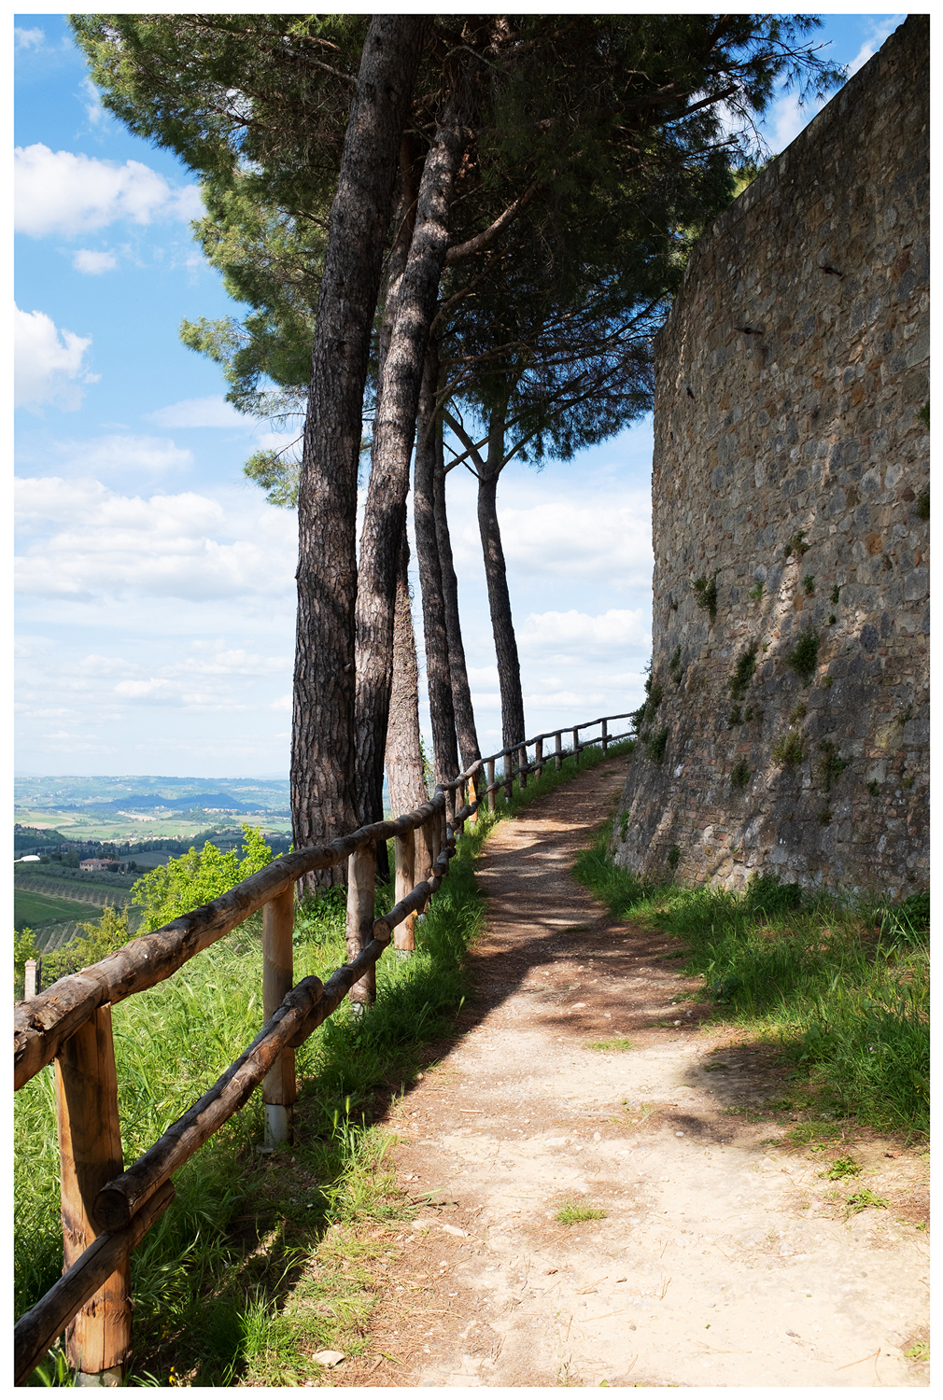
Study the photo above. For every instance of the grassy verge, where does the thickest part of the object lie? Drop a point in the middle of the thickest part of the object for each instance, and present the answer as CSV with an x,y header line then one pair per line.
x,y
841,987
264,1261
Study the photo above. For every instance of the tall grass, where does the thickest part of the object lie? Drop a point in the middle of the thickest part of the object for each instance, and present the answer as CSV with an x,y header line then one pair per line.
x,y
841,986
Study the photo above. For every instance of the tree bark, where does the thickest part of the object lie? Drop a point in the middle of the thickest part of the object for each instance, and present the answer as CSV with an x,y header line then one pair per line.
x,y
394,432
499,598
435,629
323,741
461,691
404,768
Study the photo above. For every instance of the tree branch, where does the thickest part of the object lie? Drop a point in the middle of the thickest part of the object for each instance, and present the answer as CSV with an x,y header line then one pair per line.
x,y
487,236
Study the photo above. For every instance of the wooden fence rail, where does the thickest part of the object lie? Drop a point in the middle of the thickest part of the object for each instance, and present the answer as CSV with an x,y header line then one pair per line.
x,y
106,1211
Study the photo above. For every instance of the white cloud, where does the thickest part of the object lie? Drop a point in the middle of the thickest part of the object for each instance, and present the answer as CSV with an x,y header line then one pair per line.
x,y
93,263
104,546
92,103
121,456
59,192
28,38
609,539
880,30
139,690
215,659
581,637
49,363
211,412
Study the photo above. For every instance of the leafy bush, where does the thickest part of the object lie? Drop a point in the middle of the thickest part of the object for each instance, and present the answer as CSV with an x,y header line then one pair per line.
x,y
706,595
655,745
804,656
788,750
766,895
194,879
743,672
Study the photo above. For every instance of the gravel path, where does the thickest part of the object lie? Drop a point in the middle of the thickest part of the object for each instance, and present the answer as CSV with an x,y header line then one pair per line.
x,y
723,1258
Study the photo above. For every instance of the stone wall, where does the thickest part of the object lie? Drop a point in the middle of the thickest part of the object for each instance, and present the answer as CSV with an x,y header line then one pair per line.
x,y
787,725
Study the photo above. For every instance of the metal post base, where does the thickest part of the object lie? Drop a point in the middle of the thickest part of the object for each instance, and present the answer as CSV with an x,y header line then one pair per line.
x,y
277,1124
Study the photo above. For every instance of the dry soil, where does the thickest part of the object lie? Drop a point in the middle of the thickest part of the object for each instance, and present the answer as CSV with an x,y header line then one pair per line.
x,y
724,1256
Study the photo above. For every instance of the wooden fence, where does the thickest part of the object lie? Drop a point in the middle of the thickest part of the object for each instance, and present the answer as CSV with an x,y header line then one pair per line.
x,y
107,1209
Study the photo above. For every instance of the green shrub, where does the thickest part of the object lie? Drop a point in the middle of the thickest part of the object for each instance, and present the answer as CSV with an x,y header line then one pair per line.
x,y
706,595
740,774
656,744
743,672
804,656
187,882
832,765
789,751
767,895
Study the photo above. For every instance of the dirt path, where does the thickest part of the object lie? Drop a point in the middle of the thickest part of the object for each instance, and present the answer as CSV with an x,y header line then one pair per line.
x,y
722,1259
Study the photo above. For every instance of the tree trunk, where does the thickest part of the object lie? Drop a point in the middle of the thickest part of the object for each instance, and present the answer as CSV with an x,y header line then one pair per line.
x,y
323,740
499,599
461,691
441,712
404,769
403,752
393,438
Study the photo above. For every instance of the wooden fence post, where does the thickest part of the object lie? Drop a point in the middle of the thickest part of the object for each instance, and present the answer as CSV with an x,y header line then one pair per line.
x,y
605,736
576,745
474,788
98,1340
489,771
279,1089
538,758
404,935
425,854
522,760
558,750
29,980
361,895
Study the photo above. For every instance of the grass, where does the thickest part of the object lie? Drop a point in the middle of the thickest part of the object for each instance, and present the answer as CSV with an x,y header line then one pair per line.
x,y
264,1260
842,1167
862,1199
841,987
571,1213
614,1044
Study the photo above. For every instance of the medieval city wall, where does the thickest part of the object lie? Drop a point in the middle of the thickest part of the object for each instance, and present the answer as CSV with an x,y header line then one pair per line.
x,y
787,726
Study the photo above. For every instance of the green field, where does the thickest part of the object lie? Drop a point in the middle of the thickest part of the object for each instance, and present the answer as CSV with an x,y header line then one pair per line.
x,y
31,908
42,898
99,826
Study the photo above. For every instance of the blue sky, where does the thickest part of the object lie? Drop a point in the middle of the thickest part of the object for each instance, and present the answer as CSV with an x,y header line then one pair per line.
x,y
155,589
